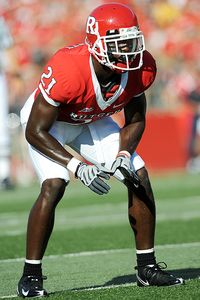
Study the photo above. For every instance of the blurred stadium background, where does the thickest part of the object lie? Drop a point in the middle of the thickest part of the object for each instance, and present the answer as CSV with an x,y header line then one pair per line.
x,y
85,224
172,34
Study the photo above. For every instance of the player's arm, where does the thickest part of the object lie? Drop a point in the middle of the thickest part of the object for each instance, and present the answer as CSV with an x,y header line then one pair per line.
x,y
42,117
130,136
135,117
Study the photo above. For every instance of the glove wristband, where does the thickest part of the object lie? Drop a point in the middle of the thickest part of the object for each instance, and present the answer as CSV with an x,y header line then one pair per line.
x,y
125,153
73,165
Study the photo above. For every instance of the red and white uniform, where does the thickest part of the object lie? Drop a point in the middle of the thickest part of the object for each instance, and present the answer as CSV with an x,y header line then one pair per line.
x,y
69,82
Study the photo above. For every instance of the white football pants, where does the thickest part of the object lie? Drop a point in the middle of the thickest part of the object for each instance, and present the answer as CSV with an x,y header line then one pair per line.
x,y
98,143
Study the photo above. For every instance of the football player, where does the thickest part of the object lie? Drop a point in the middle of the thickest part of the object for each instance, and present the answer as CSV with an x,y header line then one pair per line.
x,y
81,87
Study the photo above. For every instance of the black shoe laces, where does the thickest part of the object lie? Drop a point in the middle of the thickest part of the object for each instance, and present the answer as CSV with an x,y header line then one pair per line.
x,y
155,273
154,270
158,266
36,282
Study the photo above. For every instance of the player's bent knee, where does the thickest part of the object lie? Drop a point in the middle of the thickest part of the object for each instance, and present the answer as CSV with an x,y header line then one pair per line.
x,y
53,189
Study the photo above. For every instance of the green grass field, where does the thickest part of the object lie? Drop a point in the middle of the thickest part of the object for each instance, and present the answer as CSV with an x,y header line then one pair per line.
x,y
91,254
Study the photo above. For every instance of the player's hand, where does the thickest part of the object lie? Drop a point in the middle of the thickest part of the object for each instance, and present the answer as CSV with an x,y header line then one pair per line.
x,y
92,176
123,164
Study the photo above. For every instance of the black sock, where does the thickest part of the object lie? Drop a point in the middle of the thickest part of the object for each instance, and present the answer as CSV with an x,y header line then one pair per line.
x,y
144,259
32,269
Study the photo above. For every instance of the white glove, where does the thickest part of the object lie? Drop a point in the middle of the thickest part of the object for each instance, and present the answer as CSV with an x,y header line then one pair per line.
x,y
90,175
123,164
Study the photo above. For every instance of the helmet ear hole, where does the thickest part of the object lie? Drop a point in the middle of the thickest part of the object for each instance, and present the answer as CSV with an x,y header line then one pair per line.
x,y
113,37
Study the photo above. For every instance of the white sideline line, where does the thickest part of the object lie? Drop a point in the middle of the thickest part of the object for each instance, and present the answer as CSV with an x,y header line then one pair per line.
x,y
104,252
105,287
8,297
85,290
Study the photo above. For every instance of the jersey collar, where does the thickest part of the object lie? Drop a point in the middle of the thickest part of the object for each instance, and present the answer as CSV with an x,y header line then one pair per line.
x,y
97,89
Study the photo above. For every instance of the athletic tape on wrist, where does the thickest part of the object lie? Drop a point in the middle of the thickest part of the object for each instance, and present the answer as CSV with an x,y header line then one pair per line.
x,y
73,164
125,153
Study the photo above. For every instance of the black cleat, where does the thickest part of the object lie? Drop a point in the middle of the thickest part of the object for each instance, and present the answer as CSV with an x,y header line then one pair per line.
x,y
31,286
153,275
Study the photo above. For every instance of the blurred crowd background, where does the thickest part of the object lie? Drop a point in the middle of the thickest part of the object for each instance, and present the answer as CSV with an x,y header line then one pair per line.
x,y
172,34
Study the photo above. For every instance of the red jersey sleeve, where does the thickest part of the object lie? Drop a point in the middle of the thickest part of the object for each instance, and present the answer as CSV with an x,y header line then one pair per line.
x,y
58,81
148,70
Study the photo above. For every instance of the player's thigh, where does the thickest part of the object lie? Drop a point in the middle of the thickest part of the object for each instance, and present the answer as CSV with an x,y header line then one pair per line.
x,y
99,142
46,168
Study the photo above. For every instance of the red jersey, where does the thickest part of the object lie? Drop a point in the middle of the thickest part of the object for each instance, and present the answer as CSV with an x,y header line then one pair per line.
x,y
69,82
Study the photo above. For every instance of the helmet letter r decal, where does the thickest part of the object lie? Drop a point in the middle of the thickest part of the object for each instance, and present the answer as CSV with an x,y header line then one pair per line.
x,y
92,25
